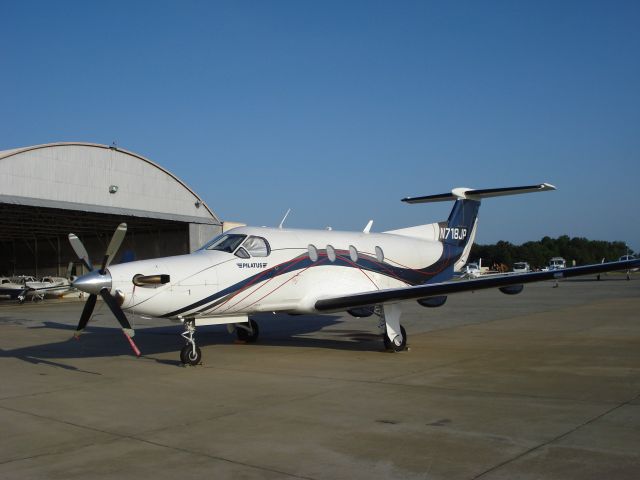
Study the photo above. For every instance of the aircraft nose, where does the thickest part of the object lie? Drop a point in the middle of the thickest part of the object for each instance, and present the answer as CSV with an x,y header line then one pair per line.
x,y
93,282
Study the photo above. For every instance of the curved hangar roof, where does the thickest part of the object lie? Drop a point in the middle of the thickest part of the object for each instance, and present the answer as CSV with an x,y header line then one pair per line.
x,y
97,178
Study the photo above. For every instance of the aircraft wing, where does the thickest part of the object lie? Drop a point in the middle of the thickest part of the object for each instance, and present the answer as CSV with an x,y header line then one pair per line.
x,y
447,288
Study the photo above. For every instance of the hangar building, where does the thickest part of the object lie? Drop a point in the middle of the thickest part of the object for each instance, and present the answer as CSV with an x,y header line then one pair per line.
x,y
48,191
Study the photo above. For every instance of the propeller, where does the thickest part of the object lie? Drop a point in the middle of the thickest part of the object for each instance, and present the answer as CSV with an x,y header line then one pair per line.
x,y
98,282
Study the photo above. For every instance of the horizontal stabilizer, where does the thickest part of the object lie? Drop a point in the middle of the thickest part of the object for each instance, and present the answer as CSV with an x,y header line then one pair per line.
x,y
470,194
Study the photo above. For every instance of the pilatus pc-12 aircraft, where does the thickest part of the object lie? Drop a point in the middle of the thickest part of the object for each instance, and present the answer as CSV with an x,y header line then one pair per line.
x,y
248,270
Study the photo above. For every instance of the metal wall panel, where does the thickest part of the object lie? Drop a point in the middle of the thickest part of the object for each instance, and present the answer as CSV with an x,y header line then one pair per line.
x,y
83,173
199,234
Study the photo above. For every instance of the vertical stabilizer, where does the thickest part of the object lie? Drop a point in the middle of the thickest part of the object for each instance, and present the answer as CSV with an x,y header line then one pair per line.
x,y
458,232
467,249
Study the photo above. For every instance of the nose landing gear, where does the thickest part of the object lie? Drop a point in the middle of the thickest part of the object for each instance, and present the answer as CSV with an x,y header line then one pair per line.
x,y
190,353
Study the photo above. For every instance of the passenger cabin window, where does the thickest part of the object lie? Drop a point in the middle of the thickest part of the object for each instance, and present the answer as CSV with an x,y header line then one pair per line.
x,y
379,254
256,247
331,253
313,253
225,243
353,253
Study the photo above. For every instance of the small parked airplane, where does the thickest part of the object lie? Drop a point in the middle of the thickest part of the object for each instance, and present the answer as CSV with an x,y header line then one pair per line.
x,y
10,288
25,287
248,270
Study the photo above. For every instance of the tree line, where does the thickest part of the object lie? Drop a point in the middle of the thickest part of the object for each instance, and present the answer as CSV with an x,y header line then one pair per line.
x,y
538,253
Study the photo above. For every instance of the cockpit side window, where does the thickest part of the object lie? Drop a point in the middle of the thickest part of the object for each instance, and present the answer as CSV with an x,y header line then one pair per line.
x,y
257,247
225,243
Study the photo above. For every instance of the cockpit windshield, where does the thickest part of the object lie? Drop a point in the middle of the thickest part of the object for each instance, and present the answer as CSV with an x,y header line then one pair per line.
x,y
225,243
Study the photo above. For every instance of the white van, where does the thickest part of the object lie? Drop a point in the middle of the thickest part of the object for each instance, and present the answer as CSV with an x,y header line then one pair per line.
x,y
521,267
556,263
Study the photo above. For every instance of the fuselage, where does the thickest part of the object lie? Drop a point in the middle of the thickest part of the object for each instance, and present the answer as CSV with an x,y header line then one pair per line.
x,y
256,269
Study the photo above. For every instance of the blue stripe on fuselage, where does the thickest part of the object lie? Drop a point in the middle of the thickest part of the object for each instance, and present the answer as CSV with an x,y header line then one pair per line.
x,y
439,271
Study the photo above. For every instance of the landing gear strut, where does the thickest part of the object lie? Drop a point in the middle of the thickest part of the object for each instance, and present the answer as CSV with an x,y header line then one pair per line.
x,y
394,335
190,353
247,332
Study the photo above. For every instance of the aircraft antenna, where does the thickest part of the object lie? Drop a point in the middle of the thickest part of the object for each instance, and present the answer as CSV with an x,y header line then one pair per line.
x,y
284,218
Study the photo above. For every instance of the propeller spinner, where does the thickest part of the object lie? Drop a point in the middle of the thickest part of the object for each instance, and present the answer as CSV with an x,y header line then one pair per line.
x,y
98,282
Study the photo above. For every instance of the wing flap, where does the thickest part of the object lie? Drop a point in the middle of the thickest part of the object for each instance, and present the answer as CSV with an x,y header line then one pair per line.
x,y
447,288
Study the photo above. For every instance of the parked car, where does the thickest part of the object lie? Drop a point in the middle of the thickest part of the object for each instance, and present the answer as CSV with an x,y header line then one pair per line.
x,y
521,267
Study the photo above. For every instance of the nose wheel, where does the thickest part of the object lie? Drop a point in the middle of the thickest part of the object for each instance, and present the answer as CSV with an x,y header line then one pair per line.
x,y
190,353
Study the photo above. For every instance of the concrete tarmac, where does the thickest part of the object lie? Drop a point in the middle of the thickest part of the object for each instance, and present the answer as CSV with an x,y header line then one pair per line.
x,y
542,385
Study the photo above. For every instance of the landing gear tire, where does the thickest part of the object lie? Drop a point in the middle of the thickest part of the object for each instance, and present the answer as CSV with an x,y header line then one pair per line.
x,y
389,345
245,335
190,357
190,353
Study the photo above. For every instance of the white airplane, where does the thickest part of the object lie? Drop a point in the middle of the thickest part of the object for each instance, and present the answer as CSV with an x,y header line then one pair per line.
x,y
48,287
257,269
25,287
11,288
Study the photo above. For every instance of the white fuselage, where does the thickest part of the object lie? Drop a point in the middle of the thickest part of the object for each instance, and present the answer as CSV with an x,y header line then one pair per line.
x,y
301,267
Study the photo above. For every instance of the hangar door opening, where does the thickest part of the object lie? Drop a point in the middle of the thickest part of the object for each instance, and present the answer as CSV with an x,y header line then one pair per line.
x,y
34,240
48,191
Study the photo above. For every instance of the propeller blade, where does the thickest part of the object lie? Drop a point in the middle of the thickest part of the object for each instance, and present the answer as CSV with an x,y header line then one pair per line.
x,y
114,245
81,252
117,312
121,317
86,314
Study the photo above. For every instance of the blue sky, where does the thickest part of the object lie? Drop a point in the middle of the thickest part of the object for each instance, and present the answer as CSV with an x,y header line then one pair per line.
x,y
339,109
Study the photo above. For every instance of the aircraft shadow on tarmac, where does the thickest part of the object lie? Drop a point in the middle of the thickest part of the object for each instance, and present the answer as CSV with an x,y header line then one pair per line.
x,y
275,330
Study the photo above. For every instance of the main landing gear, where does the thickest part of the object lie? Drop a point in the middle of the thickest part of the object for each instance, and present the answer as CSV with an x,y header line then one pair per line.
x,y
191,355
394,335
247,332
397,345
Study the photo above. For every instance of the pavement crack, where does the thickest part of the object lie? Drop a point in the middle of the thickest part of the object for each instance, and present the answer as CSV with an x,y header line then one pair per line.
x,y
119,436
387,380
557,438
222,459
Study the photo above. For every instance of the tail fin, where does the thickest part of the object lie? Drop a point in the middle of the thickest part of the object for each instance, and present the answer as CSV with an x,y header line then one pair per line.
x,y
456,231
459,229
